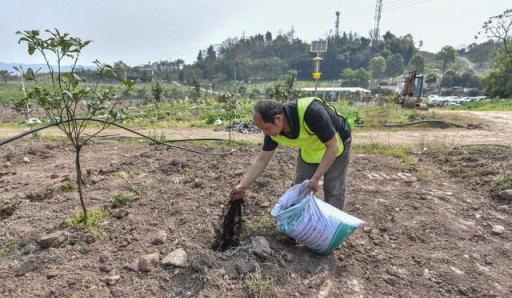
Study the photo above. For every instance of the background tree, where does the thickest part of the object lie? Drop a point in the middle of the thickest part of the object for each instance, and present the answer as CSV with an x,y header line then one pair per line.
x,y
120,70
284,90
197,88
498,28
431,79
395,65
230,110
450,79
499,81
447,57
377,66
470,80
355,78
157,93
4,75
417,63
65,99
481,53
211,55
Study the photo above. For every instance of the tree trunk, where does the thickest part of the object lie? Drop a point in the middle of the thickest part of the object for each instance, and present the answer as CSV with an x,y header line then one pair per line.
x,y
79,182
444,69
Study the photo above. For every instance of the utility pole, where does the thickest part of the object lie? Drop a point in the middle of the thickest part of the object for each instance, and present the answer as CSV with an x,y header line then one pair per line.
x,y
378,13
337,32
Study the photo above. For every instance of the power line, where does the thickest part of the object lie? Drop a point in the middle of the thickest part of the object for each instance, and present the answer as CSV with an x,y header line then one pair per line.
x,y
406,4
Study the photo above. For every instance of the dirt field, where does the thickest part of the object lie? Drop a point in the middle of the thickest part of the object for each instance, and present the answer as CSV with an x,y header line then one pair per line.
x,y
432,229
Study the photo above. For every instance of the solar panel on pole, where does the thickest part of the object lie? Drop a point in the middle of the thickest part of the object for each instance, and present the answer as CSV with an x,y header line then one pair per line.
x,y
319,46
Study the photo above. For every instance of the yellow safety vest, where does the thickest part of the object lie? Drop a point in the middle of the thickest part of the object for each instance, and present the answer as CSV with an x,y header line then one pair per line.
x,y
312,150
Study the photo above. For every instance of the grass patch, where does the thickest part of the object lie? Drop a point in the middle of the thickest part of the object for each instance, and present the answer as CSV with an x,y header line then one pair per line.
x,y
502,184
7,249
259,286
493,105
55,138
11,90
426,174
124,175
400,152
121,199
94,219
63,187
378,116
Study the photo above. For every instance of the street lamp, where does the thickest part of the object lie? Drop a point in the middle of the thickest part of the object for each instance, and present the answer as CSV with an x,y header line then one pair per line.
x,y
318,46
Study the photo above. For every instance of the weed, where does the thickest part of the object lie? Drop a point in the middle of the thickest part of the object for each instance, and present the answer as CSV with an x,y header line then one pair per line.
x,y
242,143
257,286
7,249
120,199
426,174
63,187
502,184
137,189
94,220
124,175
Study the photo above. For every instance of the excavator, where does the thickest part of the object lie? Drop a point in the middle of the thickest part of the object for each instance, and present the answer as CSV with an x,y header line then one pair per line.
x,y
410,97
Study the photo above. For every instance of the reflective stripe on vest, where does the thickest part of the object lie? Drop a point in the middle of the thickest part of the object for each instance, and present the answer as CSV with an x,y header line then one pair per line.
x,y
312,150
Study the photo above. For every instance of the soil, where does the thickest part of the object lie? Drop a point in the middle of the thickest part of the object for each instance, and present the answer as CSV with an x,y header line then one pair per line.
x,y
429,232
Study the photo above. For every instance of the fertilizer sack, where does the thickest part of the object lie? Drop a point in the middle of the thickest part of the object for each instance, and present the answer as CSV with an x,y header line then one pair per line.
x,y
318,225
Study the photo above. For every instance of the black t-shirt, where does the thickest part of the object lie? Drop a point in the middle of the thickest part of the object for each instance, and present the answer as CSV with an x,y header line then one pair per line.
x,y
321,120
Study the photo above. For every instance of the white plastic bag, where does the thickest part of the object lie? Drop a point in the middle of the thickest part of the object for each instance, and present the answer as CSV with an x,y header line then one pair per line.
x,y
318,225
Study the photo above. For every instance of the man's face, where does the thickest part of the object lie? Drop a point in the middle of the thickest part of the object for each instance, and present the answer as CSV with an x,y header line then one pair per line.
x,y
269,129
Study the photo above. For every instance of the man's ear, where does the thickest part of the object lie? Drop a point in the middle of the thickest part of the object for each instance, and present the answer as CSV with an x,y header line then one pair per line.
x,y
278,119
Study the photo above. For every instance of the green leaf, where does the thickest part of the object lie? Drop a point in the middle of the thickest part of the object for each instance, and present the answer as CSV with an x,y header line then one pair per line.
x,y
31,49
128,83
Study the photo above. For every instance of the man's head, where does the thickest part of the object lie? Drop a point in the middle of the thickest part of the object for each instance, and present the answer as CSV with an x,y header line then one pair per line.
x,y
268,115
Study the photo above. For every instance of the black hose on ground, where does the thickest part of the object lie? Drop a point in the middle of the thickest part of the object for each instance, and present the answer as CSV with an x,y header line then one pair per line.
x,y
21,135
424,121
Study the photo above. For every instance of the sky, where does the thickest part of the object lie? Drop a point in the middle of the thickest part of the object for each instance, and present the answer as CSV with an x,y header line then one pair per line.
x,y
137,32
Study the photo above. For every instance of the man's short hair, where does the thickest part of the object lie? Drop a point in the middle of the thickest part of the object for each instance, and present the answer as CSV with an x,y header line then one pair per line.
x,y
268,109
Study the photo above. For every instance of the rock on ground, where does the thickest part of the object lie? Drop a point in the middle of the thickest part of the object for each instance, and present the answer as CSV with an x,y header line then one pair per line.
x,y
159,238
261,247
176,258
119,213
498,229
32,263
53,239
506,195
148,262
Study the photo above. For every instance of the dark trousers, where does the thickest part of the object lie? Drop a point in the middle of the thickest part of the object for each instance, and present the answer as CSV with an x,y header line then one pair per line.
x,y
335,179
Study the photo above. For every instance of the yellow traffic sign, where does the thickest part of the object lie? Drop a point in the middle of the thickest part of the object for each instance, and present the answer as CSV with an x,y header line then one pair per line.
x,y
316,75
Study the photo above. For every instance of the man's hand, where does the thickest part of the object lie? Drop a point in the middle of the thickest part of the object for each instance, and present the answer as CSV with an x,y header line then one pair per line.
x,y
237,193
314,184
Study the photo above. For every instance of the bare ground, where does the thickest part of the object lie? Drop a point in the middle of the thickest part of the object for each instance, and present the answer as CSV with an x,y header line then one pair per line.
x,y
428,234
